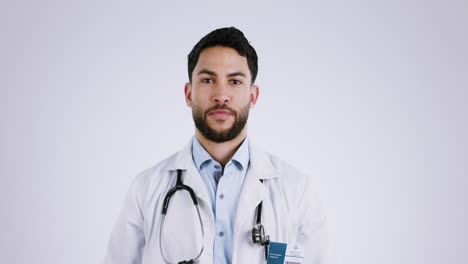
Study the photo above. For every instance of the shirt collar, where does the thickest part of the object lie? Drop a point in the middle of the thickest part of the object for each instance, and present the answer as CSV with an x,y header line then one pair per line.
x,y
200,155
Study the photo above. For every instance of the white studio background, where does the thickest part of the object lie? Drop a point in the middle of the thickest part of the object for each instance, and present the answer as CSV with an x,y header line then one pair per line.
x,y
367,97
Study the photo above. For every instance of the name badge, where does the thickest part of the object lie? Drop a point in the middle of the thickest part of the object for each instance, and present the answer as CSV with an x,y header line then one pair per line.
x,y
281,253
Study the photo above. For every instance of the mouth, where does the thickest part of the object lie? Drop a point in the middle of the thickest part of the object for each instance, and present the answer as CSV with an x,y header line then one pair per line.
x,y
220,113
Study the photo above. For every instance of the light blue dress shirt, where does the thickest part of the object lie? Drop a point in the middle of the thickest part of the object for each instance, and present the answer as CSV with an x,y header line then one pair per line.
x,y
224,189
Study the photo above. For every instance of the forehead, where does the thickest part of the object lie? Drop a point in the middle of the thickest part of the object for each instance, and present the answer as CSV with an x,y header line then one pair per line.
x,y
222,60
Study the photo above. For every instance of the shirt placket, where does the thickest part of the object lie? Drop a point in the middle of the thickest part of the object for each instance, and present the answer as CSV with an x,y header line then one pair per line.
x,y
219,211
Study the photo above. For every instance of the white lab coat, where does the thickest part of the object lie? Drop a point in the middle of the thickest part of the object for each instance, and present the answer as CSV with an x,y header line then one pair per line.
x,y
291,214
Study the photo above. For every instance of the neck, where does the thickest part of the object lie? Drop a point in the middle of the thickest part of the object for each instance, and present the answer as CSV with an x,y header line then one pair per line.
x,y
221,152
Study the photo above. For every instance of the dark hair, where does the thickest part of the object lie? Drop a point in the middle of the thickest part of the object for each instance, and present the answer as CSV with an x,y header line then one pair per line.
x,y
228,37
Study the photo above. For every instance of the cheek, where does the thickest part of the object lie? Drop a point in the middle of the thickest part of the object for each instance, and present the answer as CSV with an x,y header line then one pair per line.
x,y
200,96
248,98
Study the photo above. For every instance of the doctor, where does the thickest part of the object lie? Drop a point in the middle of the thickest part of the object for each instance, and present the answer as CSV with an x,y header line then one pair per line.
x,y
242,205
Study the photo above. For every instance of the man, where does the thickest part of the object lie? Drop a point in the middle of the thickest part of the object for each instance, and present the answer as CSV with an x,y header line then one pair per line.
x,y
243,205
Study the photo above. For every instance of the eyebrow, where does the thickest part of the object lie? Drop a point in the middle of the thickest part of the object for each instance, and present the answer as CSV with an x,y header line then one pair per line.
x,y
236,74
204,71
212,73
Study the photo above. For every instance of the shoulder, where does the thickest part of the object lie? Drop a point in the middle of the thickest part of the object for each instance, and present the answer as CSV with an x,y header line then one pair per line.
x,y
272,164
300,190
152,178
154,172
295,182
290,180
287,171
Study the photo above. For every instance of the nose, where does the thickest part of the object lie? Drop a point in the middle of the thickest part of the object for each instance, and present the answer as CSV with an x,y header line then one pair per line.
x,y
221,94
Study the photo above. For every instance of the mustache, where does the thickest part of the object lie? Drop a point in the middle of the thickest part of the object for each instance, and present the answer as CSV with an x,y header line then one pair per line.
x,y
220,107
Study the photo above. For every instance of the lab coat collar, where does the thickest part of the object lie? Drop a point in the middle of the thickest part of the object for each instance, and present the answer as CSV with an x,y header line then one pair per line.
x,y
261,167
261,164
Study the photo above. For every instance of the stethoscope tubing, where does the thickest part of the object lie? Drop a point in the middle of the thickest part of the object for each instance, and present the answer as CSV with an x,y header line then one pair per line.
x,y
180,186
258,233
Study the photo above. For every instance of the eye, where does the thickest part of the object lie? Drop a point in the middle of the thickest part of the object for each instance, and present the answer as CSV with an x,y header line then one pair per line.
x,y
236,82
207,80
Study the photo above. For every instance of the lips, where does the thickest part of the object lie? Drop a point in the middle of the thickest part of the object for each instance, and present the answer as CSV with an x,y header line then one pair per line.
x,y
220,113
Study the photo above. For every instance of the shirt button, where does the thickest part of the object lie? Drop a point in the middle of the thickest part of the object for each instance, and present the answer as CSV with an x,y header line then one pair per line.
x,y
216,166
221,234
221,196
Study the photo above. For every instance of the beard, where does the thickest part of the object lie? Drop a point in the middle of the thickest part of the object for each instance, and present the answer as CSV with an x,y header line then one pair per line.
x,y
240,119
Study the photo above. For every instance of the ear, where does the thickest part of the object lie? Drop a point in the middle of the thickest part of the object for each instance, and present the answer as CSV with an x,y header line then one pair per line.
x,y
254,92
188,94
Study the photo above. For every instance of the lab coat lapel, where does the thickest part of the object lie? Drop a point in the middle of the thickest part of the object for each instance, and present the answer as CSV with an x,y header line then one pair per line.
x,y
253,192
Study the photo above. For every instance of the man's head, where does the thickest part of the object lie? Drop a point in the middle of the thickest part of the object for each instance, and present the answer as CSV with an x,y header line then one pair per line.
x,y
221,90
227,37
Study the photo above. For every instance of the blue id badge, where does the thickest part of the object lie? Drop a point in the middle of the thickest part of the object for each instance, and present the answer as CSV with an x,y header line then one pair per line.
x,y
281,253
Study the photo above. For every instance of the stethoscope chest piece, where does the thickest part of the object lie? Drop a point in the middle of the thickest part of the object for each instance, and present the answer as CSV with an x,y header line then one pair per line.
x,y
258,232
258,235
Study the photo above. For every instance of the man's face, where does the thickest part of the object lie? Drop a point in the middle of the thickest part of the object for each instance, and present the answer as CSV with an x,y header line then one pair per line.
x,y
221,93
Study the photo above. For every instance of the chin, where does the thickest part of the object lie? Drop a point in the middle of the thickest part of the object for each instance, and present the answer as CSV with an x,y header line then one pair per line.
x,y
221,127
221,130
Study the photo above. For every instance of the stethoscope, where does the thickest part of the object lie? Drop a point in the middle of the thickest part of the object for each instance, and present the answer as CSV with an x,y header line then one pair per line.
x,y
258,232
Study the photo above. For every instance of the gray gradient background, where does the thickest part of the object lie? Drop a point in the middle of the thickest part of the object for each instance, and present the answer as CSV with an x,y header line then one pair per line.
x,y
367,97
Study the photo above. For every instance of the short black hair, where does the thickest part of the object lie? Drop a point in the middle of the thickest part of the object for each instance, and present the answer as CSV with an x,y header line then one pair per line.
x,y
227,37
